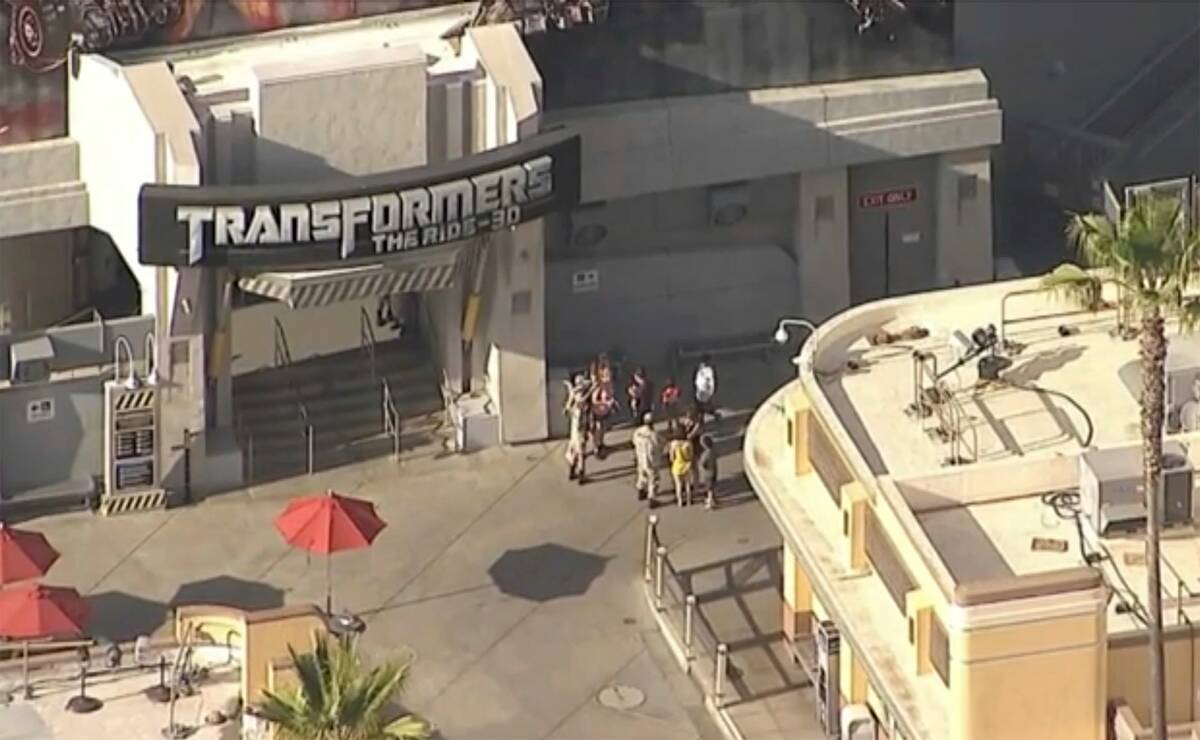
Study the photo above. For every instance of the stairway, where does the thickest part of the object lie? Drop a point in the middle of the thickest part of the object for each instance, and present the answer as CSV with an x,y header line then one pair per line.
x,y
344,409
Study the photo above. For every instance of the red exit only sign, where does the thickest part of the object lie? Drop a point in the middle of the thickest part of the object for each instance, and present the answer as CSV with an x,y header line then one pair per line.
x,y
896,197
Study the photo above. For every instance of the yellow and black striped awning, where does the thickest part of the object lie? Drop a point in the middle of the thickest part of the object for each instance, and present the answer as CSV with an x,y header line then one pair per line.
x,y
324,287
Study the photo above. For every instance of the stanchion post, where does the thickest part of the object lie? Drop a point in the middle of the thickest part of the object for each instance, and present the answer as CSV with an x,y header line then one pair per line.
x,y
309,433
651,525
659,564
688,617
719,675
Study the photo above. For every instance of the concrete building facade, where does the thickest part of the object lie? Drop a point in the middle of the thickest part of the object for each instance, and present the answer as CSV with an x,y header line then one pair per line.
x,y
704,211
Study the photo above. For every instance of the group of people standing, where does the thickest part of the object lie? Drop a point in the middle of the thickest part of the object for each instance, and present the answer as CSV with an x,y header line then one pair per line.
x,y
688,450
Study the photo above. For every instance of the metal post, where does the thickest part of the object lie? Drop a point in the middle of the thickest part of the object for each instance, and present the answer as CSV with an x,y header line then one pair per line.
x,y
28,691
187,466
660,561
719,675
651,524
308,432
688,612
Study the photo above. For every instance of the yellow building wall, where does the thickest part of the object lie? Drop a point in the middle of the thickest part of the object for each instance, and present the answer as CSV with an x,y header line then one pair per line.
x,y
1041,679
269,641
1035,681
1129,674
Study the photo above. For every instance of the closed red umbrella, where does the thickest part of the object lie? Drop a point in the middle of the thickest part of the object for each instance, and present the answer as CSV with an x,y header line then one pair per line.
x,y
24,555
34,610
329,523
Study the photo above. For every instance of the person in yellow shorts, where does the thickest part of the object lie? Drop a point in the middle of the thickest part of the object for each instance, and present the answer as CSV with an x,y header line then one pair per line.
x,y
680,454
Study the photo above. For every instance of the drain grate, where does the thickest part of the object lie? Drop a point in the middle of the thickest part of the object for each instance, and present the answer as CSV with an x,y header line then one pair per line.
x,y
621,697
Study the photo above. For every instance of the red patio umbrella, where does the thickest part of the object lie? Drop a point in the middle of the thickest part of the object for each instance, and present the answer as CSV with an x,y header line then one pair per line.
x,y
23,555
34,610
328,523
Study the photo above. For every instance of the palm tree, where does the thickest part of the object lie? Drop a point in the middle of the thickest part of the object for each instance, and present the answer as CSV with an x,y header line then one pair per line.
x,y
340,698
1151,256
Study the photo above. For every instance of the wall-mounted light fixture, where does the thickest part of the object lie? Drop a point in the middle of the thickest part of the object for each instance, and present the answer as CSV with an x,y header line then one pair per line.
x,y
131,379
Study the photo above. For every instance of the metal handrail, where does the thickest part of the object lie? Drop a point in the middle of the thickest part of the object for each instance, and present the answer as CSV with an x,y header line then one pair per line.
x,y
283,358
391,418
390,412
1005,321
666,581
91,312
366,338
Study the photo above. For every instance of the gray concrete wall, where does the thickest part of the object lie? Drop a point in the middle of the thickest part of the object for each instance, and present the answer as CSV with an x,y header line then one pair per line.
x,y
680,219
84,345
40,188
647,302
675,143
356,114
820,239
42,453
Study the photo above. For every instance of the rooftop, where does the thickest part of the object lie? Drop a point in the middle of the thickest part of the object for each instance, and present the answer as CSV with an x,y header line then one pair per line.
x,y
976,469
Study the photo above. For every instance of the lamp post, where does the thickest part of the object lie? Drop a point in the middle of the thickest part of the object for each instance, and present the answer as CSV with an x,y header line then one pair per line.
x,y
782,335
781,330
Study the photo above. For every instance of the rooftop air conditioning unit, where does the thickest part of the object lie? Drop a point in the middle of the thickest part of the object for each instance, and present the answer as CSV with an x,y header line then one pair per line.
x,y
1110,488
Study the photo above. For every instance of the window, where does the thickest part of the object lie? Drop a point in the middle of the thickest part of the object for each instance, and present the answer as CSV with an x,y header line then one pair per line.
x,y
826,460
886,562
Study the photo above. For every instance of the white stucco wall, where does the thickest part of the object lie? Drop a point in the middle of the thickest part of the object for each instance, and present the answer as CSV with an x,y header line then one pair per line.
x,y
102,103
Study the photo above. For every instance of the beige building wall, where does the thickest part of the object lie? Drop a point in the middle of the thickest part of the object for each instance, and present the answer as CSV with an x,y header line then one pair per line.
x,y
1019,669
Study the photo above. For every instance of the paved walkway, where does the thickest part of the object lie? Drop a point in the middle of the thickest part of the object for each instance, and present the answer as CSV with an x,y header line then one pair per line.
x,y
521,660
733,566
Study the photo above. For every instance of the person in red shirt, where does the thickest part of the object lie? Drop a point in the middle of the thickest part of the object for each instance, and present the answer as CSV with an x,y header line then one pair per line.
x,y
669,400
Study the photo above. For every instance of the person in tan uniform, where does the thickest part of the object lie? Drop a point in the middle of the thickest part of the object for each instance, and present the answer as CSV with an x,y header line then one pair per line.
x,y
647,453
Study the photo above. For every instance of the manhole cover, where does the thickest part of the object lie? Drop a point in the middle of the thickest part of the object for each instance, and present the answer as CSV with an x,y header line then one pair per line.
x,y
621,697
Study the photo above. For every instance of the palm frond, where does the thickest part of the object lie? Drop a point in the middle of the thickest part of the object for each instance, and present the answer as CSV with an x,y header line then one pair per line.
x,y
1148,251
1075,284
337,695
408,727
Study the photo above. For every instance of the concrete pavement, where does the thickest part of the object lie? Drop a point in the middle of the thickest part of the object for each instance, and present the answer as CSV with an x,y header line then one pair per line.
x,y
490,664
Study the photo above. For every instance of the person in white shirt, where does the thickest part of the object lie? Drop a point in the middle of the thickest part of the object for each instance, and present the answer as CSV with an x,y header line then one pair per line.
x,y
705,386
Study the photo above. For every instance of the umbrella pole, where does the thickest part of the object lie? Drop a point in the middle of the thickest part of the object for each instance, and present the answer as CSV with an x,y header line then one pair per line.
x,y
329,584
25,670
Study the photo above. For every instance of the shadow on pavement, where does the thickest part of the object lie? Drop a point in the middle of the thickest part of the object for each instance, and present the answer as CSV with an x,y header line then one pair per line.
x,y
546,572
119,616
229,591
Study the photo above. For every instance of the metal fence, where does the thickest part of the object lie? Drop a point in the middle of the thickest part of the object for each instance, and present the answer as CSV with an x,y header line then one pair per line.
x,y
702,648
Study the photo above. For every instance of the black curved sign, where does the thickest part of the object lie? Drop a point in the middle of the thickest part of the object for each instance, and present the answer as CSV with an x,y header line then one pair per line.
x,y
358,219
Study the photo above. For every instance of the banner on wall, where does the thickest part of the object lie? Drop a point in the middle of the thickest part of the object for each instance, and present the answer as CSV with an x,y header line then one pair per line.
x,y
346,221
36,35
